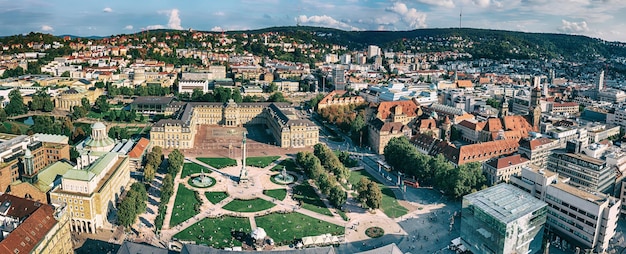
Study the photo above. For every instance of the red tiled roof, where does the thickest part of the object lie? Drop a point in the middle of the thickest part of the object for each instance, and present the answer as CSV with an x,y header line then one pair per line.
x,y
485,151
493,124
33,229
464,83
565,104
409,108
518,123
139,148
427,124
473,126
533,144
507,161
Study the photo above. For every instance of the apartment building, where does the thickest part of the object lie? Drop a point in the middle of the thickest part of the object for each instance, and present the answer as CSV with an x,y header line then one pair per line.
x,y
585,220
500,170
538,150
585,172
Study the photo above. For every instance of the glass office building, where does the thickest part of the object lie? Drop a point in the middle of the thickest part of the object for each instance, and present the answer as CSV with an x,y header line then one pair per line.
x,y
502,219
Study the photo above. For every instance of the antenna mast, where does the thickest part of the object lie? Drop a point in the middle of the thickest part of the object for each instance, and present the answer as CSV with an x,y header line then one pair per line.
x,y
461,18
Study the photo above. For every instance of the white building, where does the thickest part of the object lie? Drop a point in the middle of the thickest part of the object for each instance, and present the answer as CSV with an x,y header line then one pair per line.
x,y
187,86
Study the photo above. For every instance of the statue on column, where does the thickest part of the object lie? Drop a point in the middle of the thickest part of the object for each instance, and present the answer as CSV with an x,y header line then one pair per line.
x,y
243,174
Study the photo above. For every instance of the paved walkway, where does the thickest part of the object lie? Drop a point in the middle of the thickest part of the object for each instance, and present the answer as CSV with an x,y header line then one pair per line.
x,y
259,180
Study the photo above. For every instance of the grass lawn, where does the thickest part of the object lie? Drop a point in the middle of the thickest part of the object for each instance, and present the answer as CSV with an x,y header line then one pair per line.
x,y
390,205
183,206
250,205
284,228
23,127
218,162
261,162
92,114
216,197
215,232
310,199
193,168
289,165
279,194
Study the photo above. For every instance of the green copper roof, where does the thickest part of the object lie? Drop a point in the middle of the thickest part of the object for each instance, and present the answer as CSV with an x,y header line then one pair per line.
x,y
99,143
46,177
94,169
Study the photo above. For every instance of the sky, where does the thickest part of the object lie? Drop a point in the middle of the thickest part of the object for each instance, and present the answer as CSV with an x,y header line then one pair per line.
x,y
603,19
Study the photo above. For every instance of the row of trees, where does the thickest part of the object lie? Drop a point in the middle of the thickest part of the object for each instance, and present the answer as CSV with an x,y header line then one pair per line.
x,y
325,182
124,116
132,205
349,118
224,94
147,90
153,161
175,162
41,101
434,171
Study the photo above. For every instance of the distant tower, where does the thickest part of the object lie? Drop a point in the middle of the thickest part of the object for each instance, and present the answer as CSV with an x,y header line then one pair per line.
x,y
600,84
243,174
445,129
536,82
504,110
461,19
535,108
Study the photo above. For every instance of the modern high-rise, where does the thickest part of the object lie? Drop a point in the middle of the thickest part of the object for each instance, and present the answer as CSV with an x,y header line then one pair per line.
x,y
372,51
582,220
585,172
502,219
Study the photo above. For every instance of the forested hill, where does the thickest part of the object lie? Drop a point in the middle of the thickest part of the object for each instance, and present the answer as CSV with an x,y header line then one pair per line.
x,y
495,44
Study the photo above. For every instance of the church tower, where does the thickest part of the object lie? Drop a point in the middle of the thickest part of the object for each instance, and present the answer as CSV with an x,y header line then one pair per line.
x,y
445,129
535,108
504,110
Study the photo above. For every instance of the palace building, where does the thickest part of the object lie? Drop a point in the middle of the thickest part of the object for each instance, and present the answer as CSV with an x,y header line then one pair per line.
x,y
284,124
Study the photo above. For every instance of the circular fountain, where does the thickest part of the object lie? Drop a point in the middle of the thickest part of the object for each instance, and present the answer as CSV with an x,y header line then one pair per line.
x,y
202,181
283,177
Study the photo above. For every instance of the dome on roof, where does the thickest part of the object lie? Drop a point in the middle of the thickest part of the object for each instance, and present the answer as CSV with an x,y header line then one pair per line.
x,y
98,125
258,234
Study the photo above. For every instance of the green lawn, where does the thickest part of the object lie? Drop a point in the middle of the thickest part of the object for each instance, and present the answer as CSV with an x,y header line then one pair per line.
x,y
279,194
261,162
390,205
215,232
23,127
250,205
289,165
216,197
193,168
183,206
310,199
218,162
284,228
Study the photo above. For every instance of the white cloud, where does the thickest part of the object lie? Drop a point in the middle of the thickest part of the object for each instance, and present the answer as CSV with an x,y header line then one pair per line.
x,y
413,18
153,27
326,21
219,13
47,28
174,22
482,3
128,27
573,27
442,3
216,29
107,9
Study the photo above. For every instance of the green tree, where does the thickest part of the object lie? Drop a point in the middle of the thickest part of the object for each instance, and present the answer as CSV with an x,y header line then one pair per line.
x,y
149,173
374,196
358,129
127,212
73,154
3,115
337,196
277,97
16,104
102,105
237,96
65,74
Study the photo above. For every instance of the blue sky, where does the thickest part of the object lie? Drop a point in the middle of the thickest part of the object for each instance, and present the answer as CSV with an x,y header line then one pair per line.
x,y
596,18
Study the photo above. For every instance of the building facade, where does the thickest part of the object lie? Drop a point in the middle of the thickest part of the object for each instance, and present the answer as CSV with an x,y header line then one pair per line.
x,y
502,219
286,127
538,150
499,170
585,172
91,193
